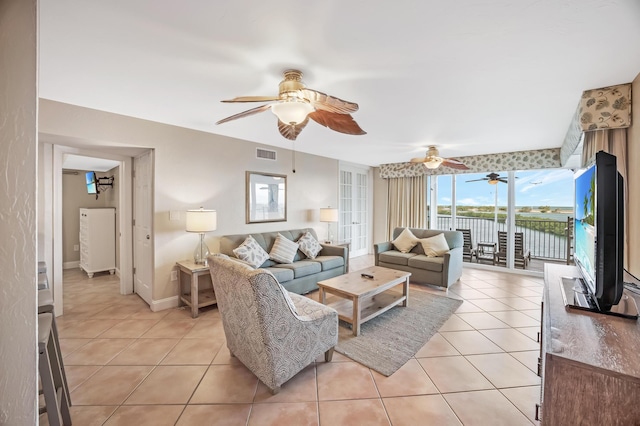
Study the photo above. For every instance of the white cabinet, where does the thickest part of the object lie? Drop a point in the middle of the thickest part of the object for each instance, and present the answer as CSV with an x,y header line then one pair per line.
x,y
98,240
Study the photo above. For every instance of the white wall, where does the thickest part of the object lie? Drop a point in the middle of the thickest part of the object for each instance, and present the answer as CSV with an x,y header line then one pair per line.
x,y
194,169
18,212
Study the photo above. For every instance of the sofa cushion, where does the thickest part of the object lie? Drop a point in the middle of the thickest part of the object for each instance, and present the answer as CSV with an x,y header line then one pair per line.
x,y
283,250
251,252
281,274
301,268
395,257
435,246
330,262
309,245
421,261
405,241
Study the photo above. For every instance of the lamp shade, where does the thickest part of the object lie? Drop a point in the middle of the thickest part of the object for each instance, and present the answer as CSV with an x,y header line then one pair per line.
x,y
201,220
292,112
328,215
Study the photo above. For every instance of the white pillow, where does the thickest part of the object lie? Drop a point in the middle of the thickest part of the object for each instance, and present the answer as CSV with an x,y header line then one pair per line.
x,y
405,241
283,250
251,252
435,246
309,245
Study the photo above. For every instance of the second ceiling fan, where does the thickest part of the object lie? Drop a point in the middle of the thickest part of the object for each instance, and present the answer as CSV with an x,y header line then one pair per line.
x,y
433,160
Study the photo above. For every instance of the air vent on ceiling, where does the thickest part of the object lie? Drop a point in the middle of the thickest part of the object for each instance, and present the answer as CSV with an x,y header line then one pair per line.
x,y
265,154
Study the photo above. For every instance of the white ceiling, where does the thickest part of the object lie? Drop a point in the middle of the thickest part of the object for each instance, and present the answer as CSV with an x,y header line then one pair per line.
x,y
81,162
470,76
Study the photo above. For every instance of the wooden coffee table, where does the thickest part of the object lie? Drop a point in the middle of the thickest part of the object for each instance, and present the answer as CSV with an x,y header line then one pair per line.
x,y
365,298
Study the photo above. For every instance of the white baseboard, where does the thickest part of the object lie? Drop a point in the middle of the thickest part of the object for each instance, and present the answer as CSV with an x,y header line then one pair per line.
x,y
71,265
168,303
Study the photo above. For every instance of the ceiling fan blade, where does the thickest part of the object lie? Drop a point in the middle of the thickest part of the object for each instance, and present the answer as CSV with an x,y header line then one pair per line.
x,y
253,99
322,101
246,113
454,164
342,123
502,180
476,180
419,160
291,132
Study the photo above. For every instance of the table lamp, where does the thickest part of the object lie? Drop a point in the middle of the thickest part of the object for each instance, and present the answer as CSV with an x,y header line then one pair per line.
x,y
328,215
201,221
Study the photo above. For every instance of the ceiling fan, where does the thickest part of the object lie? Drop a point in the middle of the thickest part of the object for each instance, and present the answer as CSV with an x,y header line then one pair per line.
x,y
433,160
295,104
492,178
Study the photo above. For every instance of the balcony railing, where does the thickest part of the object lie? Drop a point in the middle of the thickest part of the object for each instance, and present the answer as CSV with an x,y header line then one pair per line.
x,y
545,239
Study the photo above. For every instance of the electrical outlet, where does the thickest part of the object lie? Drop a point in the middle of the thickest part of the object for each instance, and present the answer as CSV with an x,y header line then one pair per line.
x,y
174,275
76,247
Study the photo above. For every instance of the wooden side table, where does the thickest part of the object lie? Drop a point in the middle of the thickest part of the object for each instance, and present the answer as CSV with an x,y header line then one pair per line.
x,y
196,298
486,250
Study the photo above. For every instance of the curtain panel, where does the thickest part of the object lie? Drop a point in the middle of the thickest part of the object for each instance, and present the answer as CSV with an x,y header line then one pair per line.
x,y
407,203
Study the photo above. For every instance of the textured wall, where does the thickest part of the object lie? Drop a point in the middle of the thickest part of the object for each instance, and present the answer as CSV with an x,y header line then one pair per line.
x,y
18,265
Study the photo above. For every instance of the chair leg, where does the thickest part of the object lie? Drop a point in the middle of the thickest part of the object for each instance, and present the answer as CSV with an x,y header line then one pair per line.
x,y
328,355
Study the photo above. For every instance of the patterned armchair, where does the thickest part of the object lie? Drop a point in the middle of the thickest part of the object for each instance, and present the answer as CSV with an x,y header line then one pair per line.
x,y
274,333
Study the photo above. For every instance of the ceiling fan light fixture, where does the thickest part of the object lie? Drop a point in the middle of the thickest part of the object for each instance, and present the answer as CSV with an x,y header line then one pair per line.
x,y
433,163
493,181
292,112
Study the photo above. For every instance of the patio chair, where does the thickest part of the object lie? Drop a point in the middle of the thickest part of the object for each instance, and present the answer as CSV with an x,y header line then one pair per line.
x,y
273,332
468,251
522,256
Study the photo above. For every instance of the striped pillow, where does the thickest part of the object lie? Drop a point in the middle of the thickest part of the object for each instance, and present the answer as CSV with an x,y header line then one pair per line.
x,y
283,250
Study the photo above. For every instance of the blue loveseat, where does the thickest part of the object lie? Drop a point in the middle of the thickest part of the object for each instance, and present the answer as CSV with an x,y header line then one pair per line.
x,y
440,271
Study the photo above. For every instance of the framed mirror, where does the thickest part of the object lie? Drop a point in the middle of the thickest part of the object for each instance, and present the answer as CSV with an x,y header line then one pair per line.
x,y
266,197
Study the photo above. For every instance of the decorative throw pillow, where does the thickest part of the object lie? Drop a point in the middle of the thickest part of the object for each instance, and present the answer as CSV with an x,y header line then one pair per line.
x,y
309,245
405,241
283,250
435,246
251,252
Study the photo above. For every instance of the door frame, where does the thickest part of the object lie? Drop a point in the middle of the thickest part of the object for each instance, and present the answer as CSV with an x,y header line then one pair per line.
x,y
55,236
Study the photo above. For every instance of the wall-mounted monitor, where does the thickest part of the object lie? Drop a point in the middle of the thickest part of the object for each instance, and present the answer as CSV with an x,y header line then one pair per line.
x,y
92,183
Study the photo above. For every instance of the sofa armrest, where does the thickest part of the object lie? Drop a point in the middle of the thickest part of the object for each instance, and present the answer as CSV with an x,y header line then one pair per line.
x,y
333,250
381,248
452,266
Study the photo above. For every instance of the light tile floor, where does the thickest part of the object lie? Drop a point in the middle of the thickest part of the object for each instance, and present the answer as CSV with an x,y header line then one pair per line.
x,y
127,365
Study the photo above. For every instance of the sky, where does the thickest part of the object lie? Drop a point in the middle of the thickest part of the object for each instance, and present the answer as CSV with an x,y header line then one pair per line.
x,y
553,188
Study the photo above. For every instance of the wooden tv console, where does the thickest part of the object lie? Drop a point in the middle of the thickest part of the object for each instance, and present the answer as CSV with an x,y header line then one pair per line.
x,y
589,362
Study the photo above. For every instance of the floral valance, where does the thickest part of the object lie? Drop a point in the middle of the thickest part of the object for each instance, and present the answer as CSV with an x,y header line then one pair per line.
x,y
606,108
505,161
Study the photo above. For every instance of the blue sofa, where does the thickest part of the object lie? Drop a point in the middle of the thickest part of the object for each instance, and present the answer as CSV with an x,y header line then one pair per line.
x,y
303,274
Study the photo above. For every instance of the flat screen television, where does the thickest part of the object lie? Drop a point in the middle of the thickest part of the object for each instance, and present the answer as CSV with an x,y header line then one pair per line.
x,y
599,231
92,183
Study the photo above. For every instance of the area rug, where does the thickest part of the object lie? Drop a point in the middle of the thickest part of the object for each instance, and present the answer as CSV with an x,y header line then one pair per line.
x,y
388,341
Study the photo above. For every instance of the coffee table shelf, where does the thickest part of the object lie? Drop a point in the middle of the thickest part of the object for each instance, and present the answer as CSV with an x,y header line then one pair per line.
x,y
365,298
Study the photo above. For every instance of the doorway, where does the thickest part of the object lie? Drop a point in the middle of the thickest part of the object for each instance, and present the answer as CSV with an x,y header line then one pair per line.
x,y
53,232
